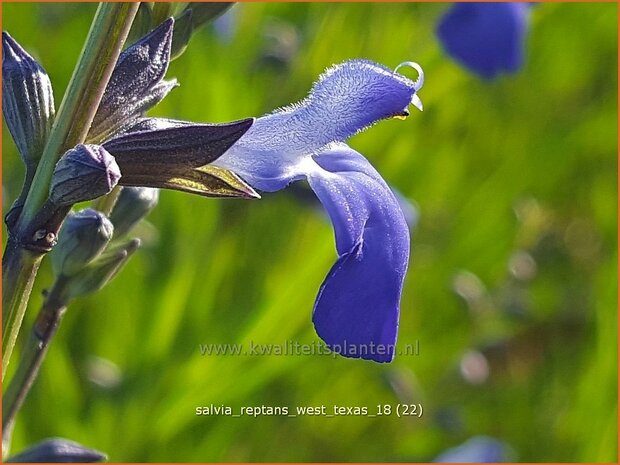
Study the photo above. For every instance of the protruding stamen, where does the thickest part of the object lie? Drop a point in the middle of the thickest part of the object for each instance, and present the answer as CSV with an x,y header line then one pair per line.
x,y
417,85
416,102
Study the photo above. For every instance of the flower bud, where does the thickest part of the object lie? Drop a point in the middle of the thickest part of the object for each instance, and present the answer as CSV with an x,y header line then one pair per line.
x,y
83,237
101,271
83,173
58,450
133,204
27,100
136,84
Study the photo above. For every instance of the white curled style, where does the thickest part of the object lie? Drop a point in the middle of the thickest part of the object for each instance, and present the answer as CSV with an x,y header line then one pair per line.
x,y
417,85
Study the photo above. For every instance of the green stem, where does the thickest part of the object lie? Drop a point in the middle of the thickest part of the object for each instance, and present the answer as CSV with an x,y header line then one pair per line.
x,y
19,269
103,45
13,215
43,331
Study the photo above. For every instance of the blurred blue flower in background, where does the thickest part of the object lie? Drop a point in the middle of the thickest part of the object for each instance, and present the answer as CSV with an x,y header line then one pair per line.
x,y
486,38
226,25
357,308
479,449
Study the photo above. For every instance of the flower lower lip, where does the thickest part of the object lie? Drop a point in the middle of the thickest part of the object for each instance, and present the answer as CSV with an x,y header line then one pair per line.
x,y
402,115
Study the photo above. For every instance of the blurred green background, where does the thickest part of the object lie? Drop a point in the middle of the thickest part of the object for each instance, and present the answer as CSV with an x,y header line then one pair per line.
x,y
512,287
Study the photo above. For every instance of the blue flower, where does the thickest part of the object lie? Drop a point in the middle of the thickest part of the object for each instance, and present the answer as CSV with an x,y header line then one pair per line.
x,y
357,308
479,449
486,38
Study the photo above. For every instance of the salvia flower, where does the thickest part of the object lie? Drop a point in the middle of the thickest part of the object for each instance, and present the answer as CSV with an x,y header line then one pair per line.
x,y
486,38
357,309
479,449
58,450
356,312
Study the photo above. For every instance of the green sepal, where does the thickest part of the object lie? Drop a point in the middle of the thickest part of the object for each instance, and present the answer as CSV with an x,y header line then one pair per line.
x,y
101,271
208,181
183,29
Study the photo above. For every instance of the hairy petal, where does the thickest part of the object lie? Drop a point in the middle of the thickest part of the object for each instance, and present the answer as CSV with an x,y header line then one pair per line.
x,y
346,99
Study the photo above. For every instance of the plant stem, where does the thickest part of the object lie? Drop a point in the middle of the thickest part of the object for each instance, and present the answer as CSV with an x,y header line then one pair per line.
x,y
103,45
19,269
43,331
